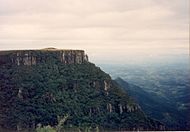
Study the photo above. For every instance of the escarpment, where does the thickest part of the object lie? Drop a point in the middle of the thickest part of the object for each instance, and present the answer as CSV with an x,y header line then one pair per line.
x,y
44,86
35,57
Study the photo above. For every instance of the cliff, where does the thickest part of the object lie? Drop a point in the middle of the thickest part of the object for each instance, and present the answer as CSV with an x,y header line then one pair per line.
x,y
34,57
46,86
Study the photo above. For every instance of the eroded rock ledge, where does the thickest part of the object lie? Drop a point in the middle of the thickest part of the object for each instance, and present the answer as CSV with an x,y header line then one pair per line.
x,y
33,57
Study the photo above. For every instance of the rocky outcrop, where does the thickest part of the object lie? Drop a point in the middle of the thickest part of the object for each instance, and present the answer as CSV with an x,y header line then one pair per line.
x,y
120,109
20,93
106,85
34,57
24,59
128,108
72,56
109,108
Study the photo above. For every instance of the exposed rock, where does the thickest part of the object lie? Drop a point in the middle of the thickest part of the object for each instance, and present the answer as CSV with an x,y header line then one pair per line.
x,y
120,109
19,128
109,107
98,109
33,57
86,58
90,112
17,59
79,57
132,108
106,85
29,59
72,56
96,84
23,58
20,93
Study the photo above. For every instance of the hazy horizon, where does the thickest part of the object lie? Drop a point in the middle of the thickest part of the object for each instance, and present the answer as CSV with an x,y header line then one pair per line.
x,y
110,31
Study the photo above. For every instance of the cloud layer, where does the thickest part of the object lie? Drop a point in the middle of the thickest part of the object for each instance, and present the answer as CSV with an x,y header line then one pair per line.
x,y
106,27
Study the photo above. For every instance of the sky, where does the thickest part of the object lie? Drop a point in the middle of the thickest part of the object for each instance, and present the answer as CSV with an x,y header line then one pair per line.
x,y
110,31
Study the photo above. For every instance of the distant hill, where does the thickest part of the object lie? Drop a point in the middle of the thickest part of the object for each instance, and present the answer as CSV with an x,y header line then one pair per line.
x,y
156,106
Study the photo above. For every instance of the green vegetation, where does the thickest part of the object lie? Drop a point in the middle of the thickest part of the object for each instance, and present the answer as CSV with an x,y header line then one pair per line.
x,y
59,96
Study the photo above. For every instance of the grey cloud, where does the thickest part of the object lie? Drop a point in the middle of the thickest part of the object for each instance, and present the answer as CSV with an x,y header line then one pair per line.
x,y
93,24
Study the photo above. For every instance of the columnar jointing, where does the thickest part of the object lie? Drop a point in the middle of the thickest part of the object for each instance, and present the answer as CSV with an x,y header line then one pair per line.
x,y
33,57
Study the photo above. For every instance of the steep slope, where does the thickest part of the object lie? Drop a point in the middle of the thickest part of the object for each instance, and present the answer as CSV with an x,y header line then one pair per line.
x,y
45,86
155,106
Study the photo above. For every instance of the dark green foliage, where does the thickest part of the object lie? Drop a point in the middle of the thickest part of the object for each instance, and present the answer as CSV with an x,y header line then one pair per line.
x,y
52,89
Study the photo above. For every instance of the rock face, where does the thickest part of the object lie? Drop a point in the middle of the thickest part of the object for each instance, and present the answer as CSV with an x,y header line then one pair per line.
x,y
34,57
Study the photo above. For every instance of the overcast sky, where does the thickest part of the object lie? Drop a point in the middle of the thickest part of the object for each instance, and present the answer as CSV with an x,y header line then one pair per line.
x,y
108,30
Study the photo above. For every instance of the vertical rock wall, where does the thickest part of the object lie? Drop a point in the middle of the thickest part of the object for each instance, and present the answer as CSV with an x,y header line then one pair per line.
x,y
72,57
33,57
